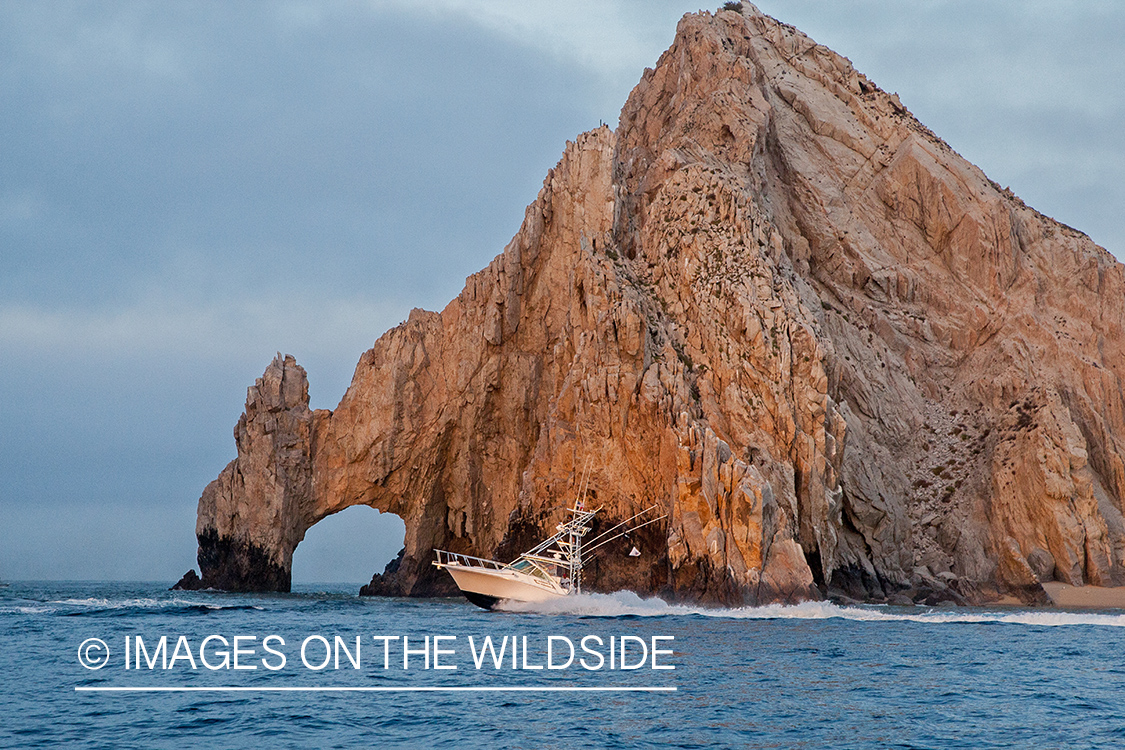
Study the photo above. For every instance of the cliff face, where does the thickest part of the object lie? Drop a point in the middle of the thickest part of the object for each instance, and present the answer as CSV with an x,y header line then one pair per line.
x,y
774,304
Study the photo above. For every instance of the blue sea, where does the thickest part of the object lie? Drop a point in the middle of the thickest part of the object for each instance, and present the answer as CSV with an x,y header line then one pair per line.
x,y
621,672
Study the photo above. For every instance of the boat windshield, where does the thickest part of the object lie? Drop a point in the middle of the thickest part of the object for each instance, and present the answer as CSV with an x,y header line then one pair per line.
x,y
523,565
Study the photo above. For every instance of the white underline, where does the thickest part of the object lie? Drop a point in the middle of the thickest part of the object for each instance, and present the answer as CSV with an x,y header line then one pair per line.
x,y
330,689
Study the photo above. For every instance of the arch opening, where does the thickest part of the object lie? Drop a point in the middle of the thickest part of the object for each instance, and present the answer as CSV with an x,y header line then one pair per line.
x,y
346,548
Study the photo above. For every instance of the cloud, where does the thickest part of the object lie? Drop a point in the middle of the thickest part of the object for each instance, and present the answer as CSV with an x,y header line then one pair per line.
x,y
614,40
222,330
317,156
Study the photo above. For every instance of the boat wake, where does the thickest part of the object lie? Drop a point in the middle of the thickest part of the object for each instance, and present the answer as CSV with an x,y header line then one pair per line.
x,y
629,604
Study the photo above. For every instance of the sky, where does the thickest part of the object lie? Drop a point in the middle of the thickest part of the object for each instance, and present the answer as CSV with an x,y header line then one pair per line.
x,y
187,188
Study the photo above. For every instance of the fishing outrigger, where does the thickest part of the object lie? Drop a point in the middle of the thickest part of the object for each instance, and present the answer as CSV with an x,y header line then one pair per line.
x,y
551,570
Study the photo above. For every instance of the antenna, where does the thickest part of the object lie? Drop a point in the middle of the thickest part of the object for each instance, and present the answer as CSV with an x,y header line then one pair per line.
x,y
578,530
584,482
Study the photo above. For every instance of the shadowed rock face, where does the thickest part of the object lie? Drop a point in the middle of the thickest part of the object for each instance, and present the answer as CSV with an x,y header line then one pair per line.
x,y
771,303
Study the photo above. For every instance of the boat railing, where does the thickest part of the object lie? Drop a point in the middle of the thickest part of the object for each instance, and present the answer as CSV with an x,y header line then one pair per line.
x,y
468,561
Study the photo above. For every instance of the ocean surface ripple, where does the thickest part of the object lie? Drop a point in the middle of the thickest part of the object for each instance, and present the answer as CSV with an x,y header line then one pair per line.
x,y
810,675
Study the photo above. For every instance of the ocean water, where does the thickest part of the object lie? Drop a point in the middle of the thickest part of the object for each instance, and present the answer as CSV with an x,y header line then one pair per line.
x,y
808,676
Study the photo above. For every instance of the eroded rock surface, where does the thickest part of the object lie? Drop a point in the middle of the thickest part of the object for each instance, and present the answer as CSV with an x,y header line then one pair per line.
x,y
772,303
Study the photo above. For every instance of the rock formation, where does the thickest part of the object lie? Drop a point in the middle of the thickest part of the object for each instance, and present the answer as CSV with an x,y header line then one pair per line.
x,y
841,359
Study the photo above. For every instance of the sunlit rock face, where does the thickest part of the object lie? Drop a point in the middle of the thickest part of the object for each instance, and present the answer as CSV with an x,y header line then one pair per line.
x,y
773,304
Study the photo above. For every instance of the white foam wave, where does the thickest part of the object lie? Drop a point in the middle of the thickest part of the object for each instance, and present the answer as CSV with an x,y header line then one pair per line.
x,y
102,603
627,603
97,604
23,610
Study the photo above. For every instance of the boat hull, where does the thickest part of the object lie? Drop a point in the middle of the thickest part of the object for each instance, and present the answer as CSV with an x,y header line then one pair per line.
x,y
482,601
497,585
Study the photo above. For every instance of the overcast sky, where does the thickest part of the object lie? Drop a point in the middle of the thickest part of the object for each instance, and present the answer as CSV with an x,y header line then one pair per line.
x,y
187,188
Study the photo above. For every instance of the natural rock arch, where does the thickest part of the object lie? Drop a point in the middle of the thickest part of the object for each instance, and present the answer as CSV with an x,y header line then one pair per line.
x,y
253,516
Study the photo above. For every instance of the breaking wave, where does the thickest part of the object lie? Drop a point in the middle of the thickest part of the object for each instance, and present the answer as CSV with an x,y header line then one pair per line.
x,y
104,606
629,604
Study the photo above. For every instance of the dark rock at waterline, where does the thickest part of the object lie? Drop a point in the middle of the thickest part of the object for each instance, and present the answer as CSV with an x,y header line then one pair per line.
x,y
231,565
384,584
423,580
190,582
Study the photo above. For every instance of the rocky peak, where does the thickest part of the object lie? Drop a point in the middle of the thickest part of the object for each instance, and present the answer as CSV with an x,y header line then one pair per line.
x,y
772,303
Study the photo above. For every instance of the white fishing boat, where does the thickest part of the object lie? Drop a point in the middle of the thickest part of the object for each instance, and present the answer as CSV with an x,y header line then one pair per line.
x,y
551,570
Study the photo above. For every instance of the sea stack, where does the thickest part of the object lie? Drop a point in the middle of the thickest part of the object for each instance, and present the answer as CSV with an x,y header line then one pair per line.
x,y
842,361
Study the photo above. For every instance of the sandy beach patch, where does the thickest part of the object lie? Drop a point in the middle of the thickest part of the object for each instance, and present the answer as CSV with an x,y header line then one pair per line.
x,y
1098,597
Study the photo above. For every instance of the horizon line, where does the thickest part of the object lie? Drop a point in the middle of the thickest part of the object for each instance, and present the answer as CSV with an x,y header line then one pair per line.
x,y
381,689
